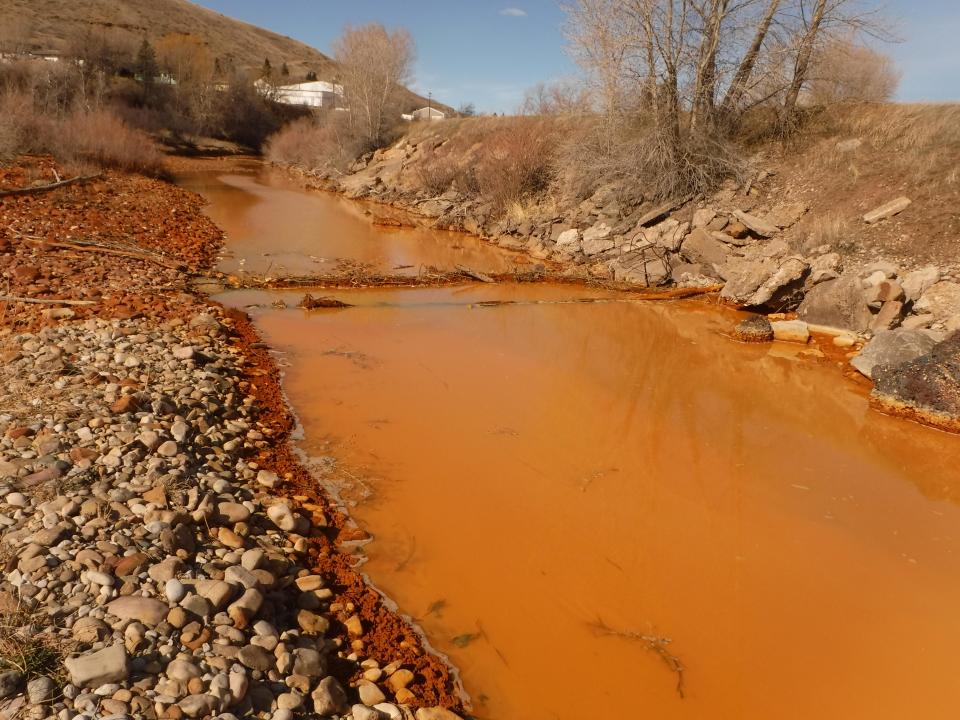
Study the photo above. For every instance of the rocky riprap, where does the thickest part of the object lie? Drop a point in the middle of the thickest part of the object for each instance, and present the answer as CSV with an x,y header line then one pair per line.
x,y
926,388
146,550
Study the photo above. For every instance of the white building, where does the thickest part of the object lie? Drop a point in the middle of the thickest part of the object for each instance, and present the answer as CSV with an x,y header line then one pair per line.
x,y
318,93
427,113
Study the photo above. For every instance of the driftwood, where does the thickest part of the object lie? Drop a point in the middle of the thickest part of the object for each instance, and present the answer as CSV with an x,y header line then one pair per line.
x,y
44,301
475,274
51,186
309,302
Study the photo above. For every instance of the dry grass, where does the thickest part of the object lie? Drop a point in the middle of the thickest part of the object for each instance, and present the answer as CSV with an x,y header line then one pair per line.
x,y
502,161
831,229
27,647
920,141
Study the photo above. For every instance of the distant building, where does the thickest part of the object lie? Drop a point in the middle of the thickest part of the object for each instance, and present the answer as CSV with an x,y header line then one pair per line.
x,y
318,93
427,113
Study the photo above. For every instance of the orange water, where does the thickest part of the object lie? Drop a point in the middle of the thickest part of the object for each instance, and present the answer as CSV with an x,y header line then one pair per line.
x,y
275,227
549,482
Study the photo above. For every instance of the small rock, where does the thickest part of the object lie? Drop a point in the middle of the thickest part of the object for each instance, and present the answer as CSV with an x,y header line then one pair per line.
x,y
167,449
791,331
40,690
131,607
10,682
756,328
436,713
894,207
282,517
98,668
198,706
329,697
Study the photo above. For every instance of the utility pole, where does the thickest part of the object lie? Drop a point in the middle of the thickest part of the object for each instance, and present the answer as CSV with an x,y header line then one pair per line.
x,y
429,106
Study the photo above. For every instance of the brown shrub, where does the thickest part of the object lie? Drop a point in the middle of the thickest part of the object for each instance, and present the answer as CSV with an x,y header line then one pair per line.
x,y
845,71
515,162
102,139
498,160
16,115
437,173
638,155
328,143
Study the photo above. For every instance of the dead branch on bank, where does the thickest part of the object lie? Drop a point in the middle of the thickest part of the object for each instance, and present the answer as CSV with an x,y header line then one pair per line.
x,y
119,249
51,186
653,643
479,276
44,301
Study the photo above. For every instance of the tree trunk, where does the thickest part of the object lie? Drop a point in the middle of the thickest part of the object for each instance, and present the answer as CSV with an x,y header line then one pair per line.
x,y
744,72
803,62
704,96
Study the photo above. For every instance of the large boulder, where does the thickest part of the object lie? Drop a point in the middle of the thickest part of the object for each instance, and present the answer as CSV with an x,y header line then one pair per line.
x,y
640,268
926,389
782,289
757,281
915,283
597,239
891,349
702,248
838,303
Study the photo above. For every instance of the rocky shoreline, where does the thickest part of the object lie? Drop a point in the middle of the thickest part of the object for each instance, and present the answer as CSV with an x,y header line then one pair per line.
x,y
165,554
741,239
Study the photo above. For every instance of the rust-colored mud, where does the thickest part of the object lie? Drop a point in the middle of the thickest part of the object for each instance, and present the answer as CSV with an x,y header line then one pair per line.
x,y
148,217
387,637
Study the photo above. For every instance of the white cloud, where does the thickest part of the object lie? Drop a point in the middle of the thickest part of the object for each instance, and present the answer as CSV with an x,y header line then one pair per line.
x,y
513,12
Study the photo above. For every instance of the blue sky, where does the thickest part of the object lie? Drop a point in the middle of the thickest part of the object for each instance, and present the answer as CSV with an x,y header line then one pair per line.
x,y
489,52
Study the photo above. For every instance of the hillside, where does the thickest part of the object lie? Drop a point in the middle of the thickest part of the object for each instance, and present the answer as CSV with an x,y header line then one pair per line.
x,y
52,26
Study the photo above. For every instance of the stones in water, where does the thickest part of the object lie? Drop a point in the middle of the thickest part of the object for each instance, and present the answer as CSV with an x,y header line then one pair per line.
x,y
756,328
791,331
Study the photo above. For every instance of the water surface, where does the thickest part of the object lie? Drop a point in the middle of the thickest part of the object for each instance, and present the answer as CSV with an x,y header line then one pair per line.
x,y
556,487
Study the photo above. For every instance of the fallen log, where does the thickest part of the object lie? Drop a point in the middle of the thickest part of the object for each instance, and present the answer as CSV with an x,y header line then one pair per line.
x,y
51,186
44,301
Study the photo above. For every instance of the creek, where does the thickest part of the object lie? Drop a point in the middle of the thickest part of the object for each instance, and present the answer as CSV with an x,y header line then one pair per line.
x,y
575,493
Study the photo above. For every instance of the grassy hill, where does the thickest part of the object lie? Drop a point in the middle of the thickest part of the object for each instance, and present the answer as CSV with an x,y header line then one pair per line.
x,y
54,26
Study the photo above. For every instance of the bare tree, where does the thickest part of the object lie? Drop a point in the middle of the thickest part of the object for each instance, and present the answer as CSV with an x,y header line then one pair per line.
x,y
846,71
374,64
562,97
673,59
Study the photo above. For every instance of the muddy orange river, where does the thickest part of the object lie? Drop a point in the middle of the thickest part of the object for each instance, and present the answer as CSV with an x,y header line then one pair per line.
x,y
576,500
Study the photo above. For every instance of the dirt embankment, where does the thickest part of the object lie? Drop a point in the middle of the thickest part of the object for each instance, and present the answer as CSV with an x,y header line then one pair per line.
x,y
852,226
166,555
